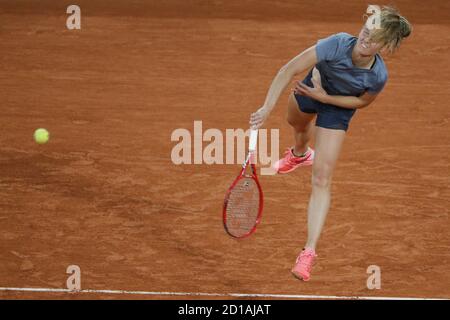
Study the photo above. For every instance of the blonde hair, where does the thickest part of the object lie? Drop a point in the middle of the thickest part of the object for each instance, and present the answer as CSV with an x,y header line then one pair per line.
x,y
394,28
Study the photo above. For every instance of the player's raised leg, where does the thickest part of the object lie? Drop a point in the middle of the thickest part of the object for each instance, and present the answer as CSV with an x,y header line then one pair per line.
x,y
301,124
328,145
300,154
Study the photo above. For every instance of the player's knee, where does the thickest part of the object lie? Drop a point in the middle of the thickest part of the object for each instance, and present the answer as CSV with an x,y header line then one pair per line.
x,y
321,178
296,123
299,121
291,120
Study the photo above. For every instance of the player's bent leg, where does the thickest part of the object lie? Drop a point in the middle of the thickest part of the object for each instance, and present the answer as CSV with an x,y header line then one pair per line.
x,y
328,146
301,122
300,154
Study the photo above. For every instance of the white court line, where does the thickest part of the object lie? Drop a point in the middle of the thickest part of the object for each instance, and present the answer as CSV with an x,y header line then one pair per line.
x,y
237,295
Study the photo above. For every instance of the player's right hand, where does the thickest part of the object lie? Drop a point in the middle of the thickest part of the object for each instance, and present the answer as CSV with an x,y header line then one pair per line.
x,y
257,118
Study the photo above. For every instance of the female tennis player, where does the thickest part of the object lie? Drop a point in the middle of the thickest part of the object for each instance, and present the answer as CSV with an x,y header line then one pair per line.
x,y
346,73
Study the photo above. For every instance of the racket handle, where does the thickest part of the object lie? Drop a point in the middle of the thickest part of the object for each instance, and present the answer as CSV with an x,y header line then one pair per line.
x,y
253,139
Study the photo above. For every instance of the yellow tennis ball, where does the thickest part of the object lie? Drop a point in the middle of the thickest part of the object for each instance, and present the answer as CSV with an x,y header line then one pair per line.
x,y
41,136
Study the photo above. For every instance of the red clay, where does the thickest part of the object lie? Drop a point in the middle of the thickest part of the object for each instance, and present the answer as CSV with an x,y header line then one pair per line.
x,y
103,193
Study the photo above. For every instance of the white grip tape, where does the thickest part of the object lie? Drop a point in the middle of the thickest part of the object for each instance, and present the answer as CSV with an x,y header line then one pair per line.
x,y
253,139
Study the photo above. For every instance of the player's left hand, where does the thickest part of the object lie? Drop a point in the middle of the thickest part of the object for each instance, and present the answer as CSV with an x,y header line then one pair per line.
x,y
316,92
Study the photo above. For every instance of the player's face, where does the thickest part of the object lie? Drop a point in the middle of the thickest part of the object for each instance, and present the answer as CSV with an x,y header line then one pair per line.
x,y
364,46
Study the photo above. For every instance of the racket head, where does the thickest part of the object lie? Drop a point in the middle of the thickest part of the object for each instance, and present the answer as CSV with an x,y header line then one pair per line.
x,y
243,205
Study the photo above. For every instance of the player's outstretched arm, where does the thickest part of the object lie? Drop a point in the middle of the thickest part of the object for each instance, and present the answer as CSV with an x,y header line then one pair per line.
x,y
304,61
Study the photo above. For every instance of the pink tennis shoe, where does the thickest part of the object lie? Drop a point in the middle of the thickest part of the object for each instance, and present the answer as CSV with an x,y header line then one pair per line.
x,y
290,162
303,264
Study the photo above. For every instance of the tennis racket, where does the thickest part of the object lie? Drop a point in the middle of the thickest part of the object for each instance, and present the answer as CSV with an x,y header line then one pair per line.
x,y
243,205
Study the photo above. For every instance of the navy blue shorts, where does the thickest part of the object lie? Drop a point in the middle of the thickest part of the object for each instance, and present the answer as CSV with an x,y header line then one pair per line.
x,y
328,115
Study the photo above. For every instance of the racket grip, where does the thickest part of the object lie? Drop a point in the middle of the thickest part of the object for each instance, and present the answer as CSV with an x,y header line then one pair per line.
x,y
253,139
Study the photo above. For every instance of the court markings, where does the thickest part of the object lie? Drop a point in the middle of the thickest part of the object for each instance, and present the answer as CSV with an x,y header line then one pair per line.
x,y
203,294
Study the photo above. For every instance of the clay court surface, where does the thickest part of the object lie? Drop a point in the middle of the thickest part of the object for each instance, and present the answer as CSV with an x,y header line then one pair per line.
x,y
104,194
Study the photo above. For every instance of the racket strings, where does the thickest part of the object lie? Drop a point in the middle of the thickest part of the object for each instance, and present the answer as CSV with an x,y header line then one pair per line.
x,y
243,207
